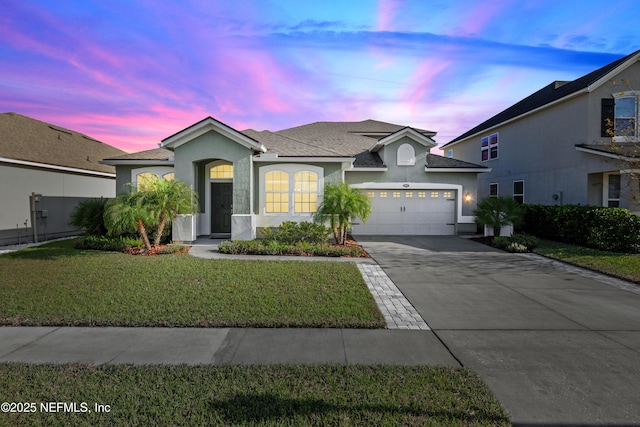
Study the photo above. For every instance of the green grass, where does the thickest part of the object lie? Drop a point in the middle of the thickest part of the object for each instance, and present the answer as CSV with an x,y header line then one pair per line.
x,y
624,266
57,285
251,395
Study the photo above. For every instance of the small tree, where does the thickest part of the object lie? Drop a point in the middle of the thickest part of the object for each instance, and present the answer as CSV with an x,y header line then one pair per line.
x,y
340,204
169,198
498,212
130,212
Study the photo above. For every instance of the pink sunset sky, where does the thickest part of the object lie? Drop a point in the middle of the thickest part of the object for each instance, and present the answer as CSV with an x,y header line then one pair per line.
x,y
131,73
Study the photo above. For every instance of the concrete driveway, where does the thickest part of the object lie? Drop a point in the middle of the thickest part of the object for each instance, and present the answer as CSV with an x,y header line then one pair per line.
x,y
554,346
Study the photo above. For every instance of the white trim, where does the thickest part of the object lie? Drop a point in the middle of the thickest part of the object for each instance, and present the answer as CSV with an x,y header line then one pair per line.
x,y
461,219
259,158
408,132
58,168
605,154
290,169
365,169
457,170
206,125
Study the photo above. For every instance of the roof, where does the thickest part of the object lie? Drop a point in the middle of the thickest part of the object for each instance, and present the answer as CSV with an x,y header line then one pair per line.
x,y
629,151
548,94
156,155
30,140
333,139
434,162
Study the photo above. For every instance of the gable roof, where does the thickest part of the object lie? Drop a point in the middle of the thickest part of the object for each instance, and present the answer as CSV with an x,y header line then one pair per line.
x,y
40,144
551,93
205,125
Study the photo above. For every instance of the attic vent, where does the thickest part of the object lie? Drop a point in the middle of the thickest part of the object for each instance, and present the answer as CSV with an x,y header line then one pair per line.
x,y
559,83
60,130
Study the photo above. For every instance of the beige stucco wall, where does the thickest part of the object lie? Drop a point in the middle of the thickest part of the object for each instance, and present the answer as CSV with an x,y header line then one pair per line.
x,y
18,183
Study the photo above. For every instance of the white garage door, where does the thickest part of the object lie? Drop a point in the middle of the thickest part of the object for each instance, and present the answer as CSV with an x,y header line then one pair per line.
x,y
419,212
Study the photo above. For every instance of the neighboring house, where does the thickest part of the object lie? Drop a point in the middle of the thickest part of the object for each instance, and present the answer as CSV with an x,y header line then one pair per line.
x,y
58,165
570,142
249,180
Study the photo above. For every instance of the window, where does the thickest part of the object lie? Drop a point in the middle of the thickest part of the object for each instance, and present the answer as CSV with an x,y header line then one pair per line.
x,y
447,194
144,179
489,147
221,172
406,155
613,191
371,194
626,114
518,191
290,189
493,190
408,194
383,194
434,194
396,194
277,191
169,176
305,192
422,194
450,153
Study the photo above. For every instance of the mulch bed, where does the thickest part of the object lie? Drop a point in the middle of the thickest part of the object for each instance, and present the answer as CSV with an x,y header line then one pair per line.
x,y
157,250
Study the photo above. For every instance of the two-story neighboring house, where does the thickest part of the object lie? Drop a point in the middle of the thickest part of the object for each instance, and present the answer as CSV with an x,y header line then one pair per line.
x,y
570,142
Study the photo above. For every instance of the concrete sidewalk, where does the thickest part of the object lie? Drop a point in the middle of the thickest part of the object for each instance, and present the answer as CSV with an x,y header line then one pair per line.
x,y
223,346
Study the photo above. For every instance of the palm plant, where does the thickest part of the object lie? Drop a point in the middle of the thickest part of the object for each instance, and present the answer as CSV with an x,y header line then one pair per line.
x,y
498,212
340,204
128,212
169,199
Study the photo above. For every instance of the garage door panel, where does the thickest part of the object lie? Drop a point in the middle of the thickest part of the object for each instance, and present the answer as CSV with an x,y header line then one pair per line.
x,y
419,212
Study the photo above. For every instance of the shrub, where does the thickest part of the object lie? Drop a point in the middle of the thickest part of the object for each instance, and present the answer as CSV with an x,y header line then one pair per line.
x,y
530,242
103,243
500,242
291,232
89,216
517,247
262,247
609,229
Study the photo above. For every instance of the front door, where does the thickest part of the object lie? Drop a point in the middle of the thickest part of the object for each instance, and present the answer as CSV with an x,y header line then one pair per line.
x,y
221,208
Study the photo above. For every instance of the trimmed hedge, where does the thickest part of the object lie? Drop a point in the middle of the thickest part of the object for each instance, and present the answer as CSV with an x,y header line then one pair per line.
x,y
263,247
609,229
291,232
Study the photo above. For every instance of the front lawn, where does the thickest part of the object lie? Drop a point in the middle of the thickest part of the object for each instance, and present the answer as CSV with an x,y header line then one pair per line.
x,y
249,395
624,266
56,285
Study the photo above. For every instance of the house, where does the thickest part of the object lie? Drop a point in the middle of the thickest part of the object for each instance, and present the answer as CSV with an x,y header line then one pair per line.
x,y
58,166
571,142
253,179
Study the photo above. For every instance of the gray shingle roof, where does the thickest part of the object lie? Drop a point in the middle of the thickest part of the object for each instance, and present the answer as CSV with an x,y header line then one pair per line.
x,y
154,154
544,96
434,161
27,139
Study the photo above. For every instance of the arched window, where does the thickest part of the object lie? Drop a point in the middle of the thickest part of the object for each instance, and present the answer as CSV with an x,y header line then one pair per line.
x,y
277,192
221,172
406,155
305,198
169,176
144,179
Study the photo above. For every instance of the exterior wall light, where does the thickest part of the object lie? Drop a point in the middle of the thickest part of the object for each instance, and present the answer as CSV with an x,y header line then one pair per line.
x,y
468,197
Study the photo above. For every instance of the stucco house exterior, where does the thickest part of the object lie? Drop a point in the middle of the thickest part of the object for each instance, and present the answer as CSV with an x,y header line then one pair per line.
x,y
247,180
59,166
570,142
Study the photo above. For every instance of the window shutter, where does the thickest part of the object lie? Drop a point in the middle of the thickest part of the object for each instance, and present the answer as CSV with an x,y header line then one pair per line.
x,y
606,124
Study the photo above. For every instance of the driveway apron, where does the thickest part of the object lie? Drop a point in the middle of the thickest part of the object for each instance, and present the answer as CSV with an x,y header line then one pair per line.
x,y
554,346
